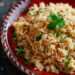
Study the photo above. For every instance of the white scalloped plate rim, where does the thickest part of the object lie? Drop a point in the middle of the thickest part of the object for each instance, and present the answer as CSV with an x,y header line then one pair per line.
x,y
10,18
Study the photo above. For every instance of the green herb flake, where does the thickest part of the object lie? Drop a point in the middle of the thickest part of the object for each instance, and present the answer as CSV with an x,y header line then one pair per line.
x,y
52,17
68,59
57,33
57,21
14,37
13,34
20,52
52,25
26,61
62,40
14,40
30,12
39,37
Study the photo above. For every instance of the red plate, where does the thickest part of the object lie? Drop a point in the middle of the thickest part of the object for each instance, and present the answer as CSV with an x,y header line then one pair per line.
x,y
6,37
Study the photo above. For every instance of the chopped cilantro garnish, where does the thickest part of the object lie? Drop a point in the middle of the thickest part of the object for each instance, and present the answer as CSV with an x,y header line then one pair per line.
x,y
52,17
57,33
13,34
26,61
52,25
57,21
39,37
68,59
14,40
20,52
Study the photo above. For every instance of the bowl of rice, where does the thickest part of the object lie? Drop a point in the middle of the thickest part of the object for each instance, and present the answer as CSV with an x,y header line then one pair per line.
x,y
39,37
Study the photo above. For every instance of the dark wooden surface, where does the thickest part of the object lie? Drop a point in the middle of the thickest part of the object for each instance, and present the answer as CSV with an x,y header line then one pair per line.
x,y
6,67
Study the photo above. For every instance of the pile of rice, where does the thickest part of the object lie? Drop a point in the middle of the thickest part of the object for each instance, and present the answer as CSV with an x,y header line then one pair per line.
x,y
42,48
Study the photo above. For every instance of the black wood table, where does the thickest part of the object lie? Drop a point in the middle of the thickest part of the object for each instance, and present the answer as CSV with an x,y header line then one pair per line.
x,y
6,67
